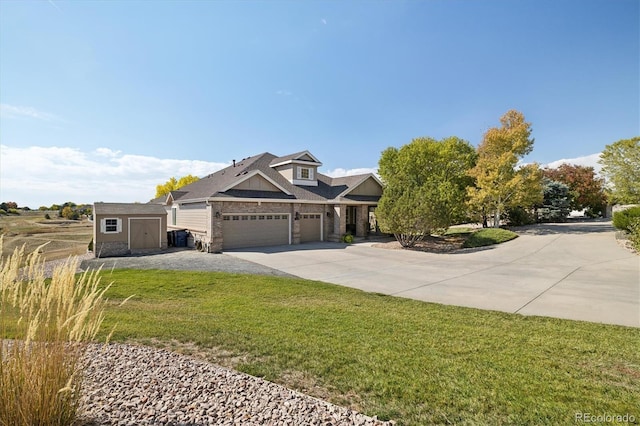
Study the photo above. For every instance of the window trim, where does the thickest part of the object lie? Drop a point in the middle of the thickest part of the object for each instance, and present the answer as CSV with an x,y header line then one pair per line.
x,y
307,169
104,227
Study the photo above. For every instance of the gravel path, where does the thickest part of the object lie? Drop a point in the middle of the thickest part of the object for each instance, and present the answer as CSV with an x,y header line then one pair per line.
x,y
137,385
183,260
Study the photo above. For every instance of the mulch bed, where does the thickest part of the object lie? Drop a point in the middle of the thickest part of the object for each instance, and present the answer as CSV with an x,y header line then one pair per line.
x,y
430,244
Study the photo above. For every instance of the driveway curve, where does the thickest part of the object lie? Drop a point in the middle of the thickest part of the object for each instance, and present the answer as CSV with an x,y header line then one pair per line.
x,y
574,271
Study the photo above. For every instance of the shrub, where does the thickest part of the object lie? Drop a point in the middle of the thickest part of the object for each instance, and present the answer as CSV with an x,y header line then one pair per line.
x,y
623,218
634,234
347,238
3,212
13,211
46,216
519,216
44,325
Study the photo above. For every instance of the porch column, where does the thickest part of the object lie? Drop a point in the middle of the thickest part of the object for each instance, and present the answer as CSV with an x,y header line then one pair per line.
x,y
338,222
362,221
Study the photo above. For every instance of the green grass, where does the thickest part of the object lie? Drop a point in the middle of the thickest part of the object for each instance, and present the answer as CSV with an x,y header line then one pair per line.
x,y
489,236
413,362
462,230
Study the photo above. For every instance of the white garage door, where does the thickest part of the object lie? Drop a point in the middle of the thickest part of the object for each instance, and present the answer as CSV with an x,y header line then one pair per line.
x,y
254,230
310,227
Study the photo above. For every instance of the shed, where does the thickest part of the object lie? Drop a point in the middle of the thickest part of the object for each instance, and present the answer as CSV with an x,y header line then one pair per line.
x,y
120,229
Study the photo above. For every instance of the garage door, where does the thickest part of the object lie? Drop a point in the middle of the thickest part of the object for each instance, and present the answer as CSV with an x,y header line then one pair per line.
x,y
144,233
243,230
310,227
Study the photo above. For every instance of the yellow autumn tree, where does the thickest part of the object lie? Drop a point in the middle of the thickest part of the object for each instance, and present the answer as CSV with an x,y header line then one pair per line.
x,y
500,183
173,184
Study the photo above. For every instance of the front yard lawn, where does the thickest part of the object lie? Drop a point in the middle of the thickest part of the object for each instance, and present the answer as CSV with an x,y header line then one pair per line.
x,y
488,236
413,362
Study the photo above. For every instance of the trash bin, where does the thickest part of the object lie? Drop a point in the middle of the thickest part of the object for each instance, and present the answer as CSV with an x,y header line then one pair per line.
x,y
181,239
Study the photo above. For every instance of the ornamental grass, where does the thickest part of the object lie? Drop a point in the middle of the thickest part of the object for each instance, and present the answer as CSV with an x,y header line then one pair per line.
x,y
45,325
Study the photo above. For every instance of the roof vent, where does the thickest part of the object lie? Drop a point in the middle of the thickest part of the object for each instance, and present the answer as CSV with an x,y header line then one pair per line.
x,y
234,163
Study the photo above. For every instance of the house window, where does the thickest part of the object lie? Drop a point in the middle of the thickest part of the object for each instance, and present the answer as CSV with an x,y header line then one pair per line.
x,y
305,173
111,226
174,215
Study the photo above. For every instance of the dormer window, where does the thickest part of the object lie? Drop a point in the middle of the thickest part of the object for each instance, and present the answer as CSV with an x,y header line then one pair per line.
x,y
299,168
305,173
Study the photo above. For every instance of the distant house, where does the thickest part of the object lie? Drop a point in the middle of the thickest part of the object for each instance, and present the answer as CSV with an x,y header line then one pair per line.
x,y
270,200
126,228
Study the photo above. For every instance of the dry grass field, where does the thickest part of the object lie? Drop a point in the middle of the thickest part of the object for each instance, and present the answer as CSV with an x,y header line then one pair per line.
x,y
64,237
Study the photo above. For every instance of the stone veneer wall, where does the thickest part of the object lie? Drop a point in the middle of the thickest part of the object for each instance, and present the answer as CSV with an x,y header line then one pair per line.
x,y
109,249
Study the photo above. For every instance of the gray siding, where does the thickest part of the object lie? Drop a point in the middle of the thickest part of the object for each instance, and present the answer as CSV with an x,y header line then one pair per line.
x,y
191,216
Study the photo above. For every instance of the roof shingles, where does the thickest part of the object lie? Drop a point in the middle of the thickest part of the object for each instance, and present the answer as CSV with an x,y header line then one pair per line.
x,y
214,184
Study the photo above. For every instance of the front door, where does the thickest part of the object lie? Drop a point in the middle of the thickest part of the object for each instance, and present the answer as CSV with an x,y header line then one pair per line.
x,y
351,220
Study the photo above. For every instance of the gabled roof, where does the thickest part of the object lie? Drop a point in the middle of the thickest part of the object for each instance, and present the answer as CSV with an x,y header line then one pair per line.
x,y
223,183
352,182
299,157
128,209
248,175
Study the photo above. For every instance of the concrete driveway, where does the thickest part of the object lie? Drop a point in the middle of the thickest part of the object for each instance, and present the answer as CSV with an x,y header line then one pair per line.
x,y
575,271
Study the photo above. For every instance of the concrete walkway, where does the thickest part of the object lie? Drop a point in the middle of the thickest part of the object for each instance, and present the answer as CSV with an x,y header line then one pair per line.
x,y
575,271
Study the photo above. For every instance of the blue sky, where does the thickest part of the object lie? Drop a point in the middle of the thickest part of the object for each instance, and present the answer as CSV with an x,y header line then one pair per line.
x,y
101,101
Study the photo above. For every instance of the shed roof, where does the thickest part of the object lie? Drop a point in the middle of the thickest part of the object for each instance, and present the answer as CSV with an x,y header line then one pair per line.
x,y
128,209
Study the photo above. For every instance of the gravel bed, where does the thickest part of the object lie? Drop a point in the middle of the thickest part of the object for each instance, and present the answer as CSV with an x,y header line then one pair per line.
x,y
183,260
138,385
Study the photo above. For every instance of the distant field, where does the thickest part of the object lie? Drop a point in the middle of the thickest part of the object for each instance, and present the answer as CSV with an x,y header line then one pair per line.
x,y
64,237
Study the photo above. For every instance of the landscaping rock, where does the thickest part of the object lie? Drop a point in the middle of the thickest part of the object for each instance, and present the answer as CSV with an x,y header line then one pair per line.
x,y
125,384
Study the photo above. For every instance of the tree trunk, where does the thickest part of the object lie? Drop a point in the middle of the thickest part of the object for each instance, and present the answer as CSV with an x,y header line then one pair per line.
x,y
496,219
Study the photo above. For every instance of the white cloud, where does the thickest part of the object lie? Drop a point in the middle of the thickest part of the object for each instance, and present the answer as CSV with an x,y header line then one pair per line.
x,y
36,176
324,21
587,161
15,112
339,172
284,93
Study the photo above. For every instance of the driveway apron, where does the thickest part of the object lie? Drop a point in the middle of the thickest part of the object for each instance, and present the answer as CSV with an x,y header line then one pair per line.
x,y
575,271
